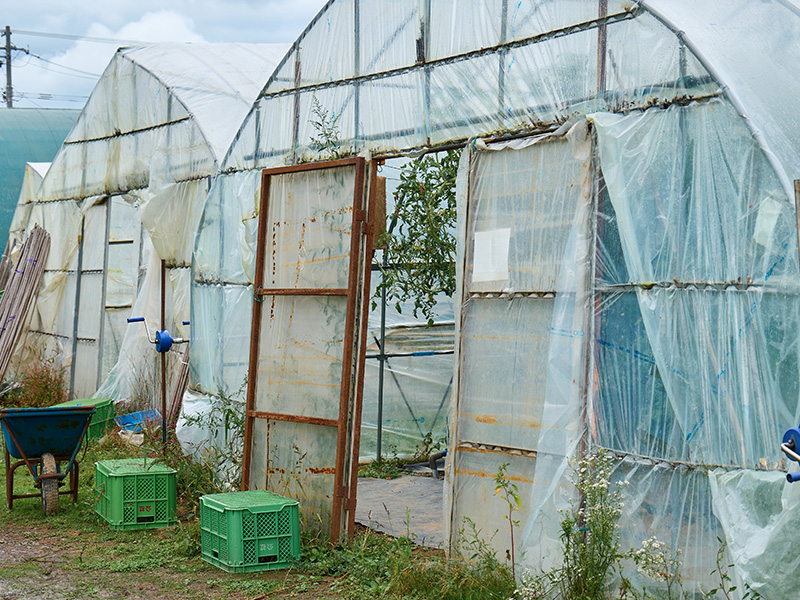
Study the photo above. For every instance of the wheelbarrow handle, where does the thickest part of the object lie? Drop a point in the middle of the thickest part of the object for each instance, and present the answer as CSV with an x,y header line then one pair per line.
x,y
135,319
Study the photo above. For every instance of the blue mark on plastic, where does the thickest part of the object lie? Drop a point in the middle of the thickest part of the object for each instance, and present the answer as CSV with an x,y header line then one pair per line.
x,y
742,330
779,260
567,333
696,429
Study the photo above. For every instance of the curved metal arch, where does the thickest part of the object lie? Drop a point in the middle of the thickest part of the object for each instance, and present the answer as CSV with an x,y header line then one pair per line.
x,y
729,94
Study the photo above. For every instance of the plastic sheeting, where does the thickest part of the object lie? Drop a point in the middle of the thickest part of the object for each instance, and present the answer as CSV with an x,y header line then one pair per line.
x,y
655,316
34,173
677,356
126,190
527,411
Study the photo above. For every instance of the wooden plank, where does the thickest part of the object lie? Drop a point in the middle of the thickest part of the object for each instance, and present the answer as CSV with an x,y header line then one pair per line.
x,y
18,295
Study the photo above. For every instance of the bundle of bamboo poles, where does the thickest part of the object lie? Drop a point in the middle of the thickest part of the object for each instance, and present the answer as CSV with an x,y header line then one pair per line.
x,y
23,284
178,391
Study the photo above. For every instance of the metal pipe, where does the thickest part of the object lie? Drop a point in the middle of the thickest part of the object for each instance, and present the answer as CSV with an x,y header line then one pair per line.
x,y
103,292
163,356
382,355
432,462
76,317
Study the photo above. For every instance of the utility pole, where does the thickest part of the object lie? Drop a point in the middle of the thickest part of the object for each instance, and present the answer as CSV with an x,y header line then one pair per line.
x,y
9,89
9,47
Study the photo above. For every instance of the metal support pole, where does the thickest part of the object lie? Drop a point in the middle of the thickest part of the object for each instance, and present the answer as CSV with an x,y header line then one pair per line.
x,y
76,315
382,357
103,292
9,89
163,356
357,53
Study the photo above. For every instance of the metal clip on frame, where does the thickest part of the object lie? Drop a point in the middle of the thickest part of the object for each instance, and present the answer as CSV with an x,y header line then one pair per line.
x,y
163,340
790,446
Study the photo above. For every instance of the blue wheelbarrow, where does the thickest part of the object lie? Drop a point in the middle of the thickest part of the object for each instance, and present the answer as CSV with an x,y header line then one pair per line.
x,y
43,438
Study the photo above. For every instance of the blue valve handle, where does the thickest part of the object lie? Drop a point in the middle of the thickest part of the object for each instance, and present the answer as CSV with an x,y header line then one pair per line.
x,y
163,340
790,446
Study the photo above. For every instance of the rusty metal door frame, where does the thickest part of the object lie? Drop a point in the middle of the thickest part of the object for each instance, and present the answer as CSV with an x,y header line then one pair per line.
x,y
348,424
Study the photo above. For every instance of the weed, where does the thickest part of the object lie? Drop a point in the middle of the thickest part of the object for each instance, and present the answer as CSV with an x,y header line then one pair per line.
x,y
143,387
222,454
726,587
589,538
655,560
392,468
42,383
589,532
509,492
327,141
383,469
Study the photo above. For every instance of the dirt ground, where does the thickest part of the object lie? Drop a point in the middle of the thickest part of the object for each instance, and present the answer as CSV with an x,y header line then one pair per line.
x,y
42,562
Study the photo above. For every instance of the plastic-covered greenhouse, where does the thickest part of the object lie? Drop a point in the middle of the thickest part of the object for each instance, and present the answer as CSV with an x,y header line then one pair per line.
x,y
125,192
27,135
628,266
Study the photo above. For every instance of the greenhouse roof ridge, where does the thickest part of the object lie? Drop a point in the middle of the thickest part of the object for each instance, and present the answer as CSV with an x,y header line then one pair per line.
x,y
207,78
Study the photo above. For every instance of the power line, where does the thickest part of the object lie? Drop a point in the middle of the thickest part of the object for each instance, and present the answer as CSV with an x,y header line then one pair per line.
x,y
91,75
67,36
48,96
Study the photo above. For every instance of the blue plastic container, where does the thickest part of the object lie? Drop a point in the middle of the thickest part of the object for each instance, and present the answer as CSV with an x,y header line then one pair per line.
x,y
139,421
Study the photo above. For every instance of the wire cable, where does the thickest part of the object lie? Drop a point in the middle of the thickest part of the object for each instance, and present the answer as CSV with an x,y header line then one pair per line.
x,y
66,36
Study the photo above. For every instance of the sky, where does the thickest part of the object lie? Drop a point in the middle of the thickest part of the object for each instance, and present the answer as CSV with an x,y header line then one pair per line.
x,y
61,72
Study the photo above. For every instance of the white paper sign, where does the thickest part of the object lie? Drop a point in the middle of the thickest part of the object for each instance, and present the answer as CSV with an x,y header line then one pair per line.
x,y
491,255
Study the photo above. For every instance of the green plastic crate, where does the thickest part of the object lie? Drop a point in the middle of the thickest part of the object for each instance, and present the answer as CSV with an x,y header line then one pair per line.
x,y
99,429
101,419
249,531
132,495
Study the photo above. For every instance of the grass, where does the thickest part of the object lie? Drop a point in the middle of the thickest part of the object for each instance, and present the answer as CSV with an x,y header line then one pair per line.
x,y
165,563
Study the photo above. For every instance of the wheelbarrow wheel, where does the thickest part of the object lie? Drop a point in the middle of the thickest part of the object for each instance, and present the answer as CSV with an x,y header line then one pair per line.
x,y
49,485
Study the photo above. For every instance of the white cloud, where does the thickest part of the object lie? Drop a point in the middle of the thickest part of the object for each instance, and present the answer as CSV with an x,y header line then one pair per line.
x,y
84,58
187,20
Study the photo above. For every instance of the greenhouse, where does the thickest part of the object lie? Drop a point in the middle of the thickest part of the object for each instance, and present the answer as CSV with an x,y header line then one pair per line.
x,y
627,268
27,134
125,193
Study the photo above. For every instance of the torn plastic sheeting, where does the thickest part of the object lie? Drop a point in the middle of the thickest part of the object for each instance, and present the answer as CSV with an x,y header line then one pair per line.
x,y
759,512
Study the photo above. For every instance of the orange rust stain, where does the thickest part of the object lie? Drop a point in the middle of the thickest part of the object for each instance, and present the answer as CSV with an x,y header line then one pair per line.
x,y
486,419
485,475
516,421
327,470
296,382
316,260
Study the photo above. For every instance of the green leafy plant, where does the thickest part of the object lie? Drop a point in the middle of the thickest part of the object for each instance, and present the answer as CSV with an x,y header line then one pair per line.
x,y
326,142
419,244
589,538
726,586
509,492
222,453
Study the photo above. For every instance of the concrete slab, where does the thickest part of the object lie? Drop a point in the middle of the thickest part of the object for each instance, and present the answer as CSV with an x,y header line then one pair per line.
x,y
406,506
